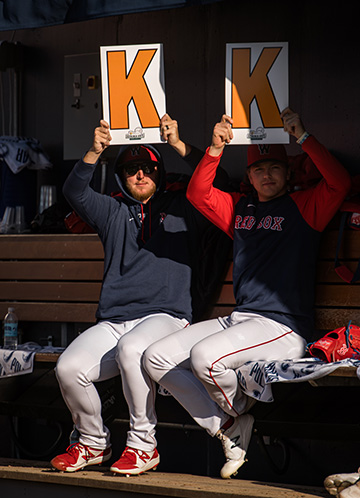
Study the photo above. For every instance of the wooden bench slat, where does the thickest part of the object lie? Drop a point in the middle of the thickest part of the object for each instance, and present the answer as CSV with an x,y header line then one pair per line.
x,y
350,247
226,295
344,372
42,357
51,270
51,291
337,295
326,295
333,318
63,246
52,312
218,311
326,271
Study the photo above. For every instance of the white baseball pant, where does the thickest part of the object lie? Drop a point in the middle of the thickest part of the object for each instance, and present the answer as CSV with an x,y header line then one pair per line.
x,y
197,364
102,352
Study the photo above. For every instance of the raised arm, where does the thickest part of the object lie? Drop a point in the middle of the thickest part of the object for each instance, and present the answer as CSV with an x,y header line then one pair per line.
x,y
169,130
216,205
101,141
319,204
170,133
88,204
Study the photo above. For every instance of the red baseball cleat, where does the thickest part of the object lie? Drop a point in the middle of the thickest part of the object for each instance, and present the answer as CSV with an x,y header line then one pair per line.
x,y
134,462
78,456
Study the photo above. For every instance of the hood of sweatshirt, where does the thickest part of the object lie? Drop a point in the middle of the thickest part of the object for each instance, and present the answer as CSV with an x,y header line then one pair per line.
x,y
136,153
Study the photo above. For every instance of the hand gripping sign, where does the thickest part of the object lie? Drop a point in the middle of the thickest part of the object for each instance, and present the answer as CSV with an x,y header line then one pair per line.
x,y
256,91
133,92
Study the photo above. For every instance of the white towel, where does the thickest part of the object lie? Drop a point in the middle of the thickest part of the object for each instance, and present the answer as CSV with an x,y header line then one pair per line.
x,y
256,377
15,362
21,152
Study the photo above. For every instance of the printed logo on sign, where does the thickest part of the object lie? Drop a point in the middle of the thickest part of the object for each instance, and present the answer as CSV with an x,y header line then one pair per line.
x,y
258,134
136,134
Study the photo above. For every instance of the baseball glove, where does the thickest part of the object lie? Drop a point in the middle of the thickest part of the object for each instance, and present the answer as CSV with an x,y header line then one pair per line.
x,y
338,344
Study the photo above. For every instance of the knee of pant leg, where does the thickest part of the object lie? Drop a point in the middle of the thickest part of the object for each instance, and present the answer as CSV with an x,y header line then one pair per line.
x,y
67,369
128,350
152,363
200,365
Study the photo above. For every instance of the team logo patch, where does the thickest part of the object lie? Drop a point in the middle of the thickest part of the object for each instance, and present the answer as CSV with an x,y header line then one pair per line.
x,y
264,149
135,151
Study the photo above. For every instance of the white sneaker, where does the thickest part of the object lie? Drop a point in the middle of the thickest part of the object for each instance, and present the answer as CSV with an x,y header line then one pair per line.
x,y
235,441
335,483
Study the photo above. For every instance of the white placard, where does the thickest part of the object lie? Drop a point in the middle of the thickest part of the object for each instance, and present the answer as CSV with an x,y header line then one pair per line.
x,y
133,92
256,91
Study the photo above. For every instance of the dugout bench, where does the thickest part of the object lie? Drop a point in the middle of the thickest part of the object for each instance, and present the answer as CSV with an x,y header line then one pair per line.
x,y
57,279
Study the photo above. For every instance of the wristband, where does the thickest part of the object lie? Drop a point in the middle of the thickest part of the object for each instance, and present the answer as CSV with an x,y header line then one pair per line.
x,y
303,137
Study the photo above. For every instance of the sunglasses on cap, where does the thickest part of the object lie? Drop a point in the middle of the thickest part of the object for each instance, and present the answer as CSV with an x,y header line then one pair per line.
x,y
132,168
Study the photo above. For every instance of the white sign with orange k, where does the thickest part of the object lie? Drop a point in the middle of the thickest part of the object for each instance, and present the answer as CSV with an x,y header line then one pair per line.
x,y
256,91
133,92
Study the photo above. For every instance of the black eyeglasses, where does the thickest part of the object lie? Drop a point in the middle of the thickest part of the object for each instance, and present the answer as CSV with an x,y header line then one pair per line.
x,y
132,168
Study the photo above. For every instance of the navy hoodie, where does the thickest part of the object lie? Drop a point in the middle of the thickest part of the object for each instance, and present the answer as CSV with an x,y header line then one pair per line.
x,y
149,248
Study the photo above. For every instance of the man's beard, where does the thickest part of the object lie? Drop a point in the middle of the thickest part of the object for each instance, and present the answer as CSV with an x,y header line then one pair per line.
x,y
138,195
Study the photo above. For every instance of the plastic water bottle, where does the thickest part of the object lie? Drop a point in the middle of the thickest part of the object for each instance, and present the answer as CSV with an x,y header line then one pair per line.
x,y
10,329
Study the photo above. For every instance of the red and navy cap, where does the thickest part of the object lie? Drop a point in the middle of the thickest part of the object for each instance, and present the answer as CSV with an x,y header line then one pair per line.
x,y
266,152
138,153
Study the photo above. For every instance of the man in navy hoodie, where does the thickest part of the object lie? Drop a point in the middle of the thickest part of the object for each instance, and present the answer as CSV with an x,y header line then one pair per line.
x,y
151,241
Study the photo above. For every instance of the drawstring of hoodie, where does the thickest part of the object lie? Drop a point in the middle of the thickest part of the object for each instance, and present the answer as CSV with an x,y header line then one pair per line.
x,y
149,219
142,221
